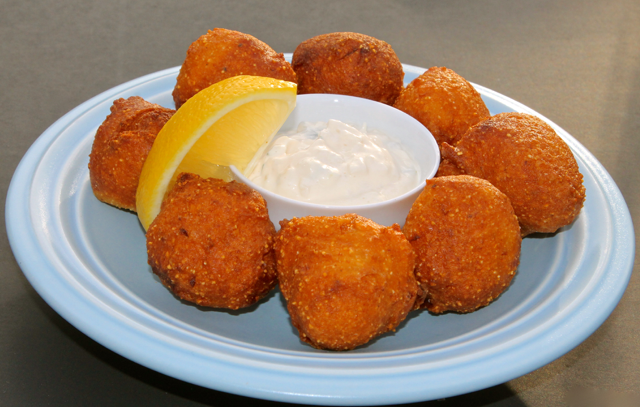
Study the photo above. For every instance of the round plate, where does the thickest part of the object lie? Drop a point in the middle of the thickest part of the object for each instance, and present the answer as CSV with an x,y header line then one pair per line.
x,y
88,261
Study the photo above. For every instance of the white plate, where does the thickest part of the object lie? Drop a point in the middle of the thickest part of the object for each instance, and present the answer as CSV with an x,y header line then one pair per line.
x,y
88,261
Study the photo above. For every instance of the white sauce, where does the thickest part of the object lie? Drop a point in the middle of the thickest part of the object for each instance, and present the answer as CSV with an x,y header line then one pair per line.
x,y
334,163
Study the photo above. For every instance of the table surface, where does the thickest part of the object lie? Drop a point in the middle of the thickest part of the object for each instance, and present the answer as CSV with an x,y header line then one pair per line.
x,y
577,63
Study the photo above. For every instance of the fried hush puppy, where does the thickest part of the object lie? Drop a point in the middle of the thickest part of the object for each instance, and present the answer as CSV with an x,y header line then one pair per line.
x,y
444,102
120,148
524,157
348,63
346,279
212,243
221,54
467,239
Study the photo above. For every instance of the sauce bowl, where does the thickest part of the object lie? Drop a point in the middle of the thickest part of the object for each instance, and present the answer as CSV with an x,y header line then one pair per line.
x,y
378,117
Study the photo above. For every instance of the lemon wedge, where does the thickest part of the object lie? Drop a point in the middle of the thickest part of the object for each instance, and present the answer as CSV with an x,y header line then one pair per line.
x,y
222,125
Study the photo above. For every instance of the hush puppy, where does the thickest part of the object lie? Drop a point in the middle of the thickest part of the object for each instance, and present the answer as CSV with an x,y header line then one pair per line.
x,y
120,148
348,63
346,279
212,243
444,102
221,54
524,158
467,240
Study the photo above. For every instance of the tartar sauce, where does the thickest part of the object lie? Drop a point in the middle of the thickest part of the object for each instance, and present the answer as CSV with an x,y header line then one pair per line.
x,y
334,163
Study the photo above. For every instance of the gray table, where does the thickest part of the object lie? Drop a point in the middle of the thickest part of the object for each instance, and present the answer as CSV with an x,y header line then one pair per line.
x,y
576,62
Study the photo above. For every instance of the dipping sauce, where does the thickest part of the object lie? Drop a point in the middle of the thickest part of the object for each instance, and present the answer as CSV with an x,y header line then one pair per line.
x,y
334,163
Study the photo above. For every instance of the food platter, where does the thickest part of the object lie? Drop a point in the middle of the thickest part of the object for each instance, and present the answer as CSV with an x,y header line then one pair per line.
x,y
88,261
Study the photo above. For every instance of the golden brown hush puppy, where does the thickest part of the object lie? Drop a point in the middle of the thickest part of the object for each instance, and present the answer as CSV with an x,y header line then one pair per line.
x,y
348,63
120,148
444,102
346,279
221,54
212,243
525,159
467,239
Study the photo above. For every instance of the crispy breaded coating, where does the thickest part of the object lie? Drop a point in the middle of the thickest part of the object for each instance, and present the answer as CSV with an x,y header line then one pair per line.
x,y
467,239
120,148
221,54
346,279
447,168
212,243
525,159
348,63
444,102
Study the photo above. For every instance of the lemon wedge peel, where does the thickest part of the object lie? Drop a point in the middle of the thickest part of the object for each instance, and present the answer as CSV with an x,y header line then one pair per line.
x,y
197,117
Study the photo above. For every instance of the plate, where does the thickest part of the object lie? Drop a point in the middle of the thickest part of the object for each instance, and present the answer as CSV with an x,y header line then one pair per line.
x,y
88,261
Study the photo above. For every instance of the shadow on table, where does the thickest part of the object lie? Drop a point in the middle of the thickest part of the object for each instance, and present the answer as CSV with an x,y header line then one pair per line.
x,y
496,396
